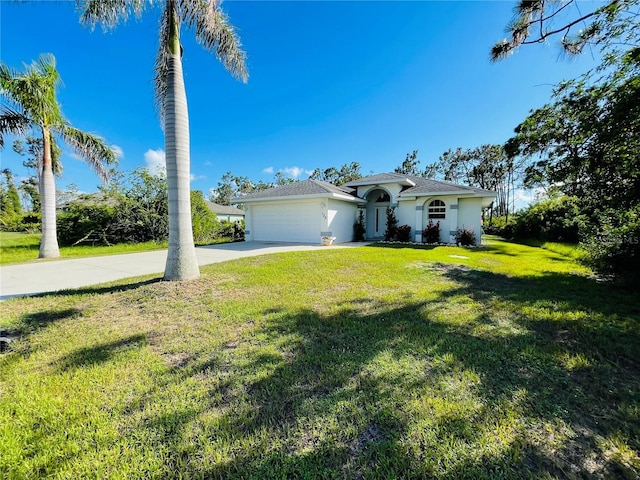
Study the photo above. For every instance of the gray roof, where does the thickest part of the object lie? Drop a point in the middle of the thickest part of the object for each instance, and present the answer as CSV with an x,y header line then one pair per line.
x,y
304,187
223,209
421,185
379,178
429,185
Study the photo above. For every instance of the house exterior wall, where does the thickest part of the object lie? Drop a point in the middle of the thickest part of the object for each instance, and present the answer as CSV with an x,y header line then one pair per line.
x,y
405,213
470,216
341,217
447,224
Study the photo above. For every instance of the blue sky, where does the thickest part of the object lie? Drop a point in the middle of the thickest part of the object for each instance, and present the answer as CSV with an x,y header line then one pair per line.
x,y
330,83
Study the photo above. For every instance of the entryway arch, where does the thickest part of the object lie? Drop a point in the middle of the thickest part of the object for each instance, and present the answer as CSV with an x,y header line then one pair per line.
x,y
378,200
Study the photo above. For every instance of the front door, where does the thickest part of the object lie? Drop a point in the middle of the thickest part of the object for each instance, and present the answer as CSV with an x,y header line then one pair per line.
x,y
379,221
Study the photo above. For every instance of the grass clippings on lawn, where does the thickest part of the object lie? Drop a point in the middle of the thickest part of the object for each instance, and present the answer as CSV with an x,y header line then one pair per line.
x,y
373,362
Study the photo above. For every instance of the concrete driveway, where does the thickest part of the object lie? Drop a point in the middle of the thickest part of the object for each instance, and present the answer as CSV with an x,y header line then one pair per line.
x,y
53,275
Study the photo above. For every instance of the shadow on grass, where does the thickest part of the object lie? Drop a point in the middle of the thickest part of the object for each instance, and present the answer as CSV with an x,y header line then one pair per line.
x,y
329,402
377,390
101,290
86,357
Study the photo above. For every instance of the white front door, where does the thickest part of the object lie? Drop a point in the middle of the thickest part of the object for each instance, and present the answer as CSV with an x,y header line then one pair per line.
x,y
379,221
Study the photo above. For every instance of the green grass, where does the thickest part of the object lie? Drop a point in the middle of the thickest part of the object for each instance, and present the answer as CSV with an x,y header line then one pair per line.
x,y
377,362
23,247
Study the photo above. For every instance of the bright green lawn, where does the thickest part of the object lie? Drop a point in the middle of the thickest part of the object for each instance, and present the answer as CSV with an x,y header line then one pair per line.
x,y
374,362
23,247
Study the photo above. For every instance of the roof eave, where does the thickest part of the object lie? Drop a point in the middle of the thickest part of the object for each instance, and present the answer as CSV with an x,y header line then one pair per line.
x,y
345,197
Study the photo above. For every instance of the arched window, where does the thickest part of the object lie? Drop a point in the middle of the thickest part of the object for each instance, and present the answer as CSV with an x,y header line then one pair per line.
x,y
383,197
437,209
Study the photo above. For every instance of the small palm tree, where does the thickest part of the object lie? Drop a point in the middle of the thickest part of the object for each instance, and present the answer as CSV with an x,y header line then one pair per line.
x,y
29,103
215,33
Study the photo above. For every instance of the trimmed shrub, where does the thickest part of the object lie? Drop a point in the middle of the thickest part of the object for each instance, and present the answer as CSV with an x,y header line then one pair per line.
x,y
403,233
431,234
359,229
465,237
392,225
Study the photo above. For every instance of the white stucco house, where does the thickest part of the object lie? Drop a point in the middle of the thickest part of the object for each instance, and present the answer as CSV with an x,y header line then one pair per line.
x,y
308,210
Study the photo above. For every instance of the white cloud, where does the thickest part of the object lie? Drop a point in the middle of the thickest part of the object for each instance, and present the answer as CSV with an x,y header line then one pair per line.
x,y
155,160
118,150
208,163
193,177
295,172
267,170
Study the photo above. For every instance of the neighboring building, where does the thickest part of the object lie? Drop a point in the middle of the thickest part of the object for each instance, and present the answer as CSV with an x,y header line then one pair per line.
x,y
308,210
225,212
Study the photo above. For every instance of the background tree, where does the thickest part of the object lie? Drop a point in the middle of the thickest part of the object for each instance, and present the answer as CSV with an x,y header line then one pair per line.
x,y
281,179
610,25
346,173
231,186
214,32
488,167
29,102
410,165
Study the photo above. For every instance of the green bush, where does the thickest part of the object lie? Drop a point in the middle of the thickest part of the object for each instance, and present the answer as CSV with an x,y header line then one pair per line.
x,y
87,223
499,226
558,219
614,246
204,221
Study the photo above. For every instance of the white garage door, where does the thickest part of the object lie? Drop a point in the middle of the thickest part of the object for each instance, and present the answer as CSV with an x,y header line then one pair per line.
x,y
287,222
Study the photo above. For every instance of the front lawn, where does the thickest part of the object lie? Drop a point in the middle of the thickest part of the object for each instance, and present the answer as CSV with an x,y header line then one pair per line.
x,y
24,247
503,362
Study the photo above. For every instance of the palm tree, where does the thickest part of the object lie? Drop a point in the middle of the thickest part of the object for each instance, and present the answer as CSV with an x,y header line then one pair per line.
x,y
215,33
29,103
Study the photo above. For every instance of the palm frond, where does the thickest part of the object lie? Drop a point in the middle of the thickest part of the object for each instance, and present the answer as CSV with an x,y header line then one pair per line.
x,y
12,122
34,90
91,148
216,34
109,13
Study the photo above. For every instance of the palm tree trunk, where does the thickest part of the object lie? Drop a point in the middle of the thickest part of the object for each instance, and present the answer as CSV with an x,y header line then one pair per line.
x,y
181,259
49,242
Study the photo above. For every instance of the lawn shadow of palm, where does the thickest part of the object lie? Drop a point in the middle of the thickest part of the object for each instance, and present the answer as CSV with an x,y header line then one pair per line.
x,y
316,404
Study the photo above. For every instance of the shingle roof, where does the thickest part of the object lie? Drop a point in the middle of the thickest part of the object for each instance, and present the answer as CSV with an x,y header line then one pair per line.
x,y
304,187
421,186
223,209
378,178
429,185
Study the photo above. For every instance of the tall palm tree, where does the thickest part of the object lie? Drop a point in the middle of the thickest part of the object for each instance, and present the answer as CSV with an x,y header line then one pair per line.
x,y
215,33
29,103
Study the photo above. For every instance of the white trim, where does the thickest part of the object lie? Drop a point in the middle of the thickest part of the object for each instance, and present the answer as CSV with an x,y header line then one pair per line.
x,y
399,181
459,193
